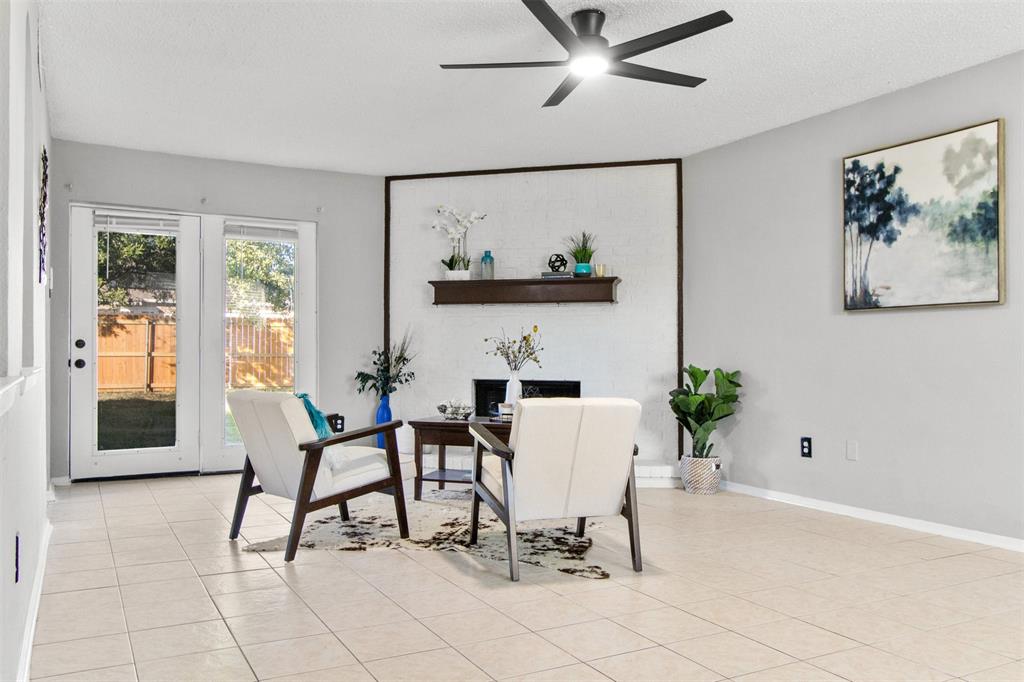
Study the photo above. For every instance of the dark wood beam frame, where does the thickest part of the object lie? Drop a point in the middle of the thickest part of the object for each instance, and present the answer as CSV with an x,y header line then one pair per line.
x,y
678,163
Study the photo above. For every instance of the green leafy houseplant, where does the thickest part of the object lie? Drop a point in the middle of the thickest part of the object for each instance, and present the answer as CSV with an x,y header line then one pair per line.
x,y
389,369
699,413
581,246
457,261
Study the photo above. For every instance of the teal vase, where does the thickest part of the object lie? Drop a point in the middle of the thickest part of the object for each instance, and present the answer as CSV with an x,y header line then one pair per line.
x,y
583,269
383,417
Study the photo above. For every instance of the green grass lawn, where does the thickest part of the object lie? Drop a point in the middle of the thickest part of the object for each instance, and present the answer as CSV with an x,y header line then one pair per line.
x,y
135,420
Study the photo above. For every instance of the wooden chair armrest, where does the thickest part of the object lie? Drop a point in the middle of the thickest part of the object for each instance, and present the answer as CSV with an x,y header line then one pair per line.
x,y
336,422
350,435
482,435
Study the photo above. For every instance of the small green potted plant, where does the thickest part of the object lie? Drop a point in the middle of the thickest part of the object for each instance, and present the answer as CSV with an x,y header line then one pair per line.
x,y
699,413
458,266
581,247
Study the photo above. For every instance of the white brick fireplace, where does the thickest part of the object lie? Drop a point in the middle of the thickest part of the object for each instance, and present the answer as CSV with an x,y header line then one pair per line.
x,y
626,349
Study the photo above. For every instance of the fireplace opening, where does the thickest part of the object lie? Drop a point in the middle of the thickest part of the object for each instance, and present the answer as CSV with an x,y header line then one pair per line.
x,y
488,393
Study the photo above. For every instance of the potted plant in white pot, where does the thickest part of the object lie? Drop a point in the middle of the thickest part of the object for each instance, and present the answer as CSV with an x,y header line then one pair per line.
x,y
699,413
455,224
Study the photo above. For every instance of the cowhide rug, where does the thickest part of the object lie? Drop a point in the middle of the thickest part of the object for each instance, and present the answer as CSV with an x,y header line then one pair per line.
x,y
440,521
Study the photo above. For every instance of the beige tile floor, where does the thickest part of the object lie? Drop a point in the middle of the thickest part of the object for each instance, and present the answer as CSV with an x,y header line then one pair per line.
x,y
141,583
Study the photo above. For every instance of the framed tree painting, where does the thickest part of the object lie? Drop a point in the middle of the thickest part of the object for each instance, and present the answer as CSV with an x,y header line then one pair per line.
x,y
923,222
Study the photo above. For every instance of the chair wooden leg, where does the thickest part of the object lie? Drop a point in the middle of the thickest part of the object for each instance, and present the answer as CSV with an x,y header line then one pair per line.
x,y
581,525
629,511
510,525
395,467
343,510
298,518
302,501
474,517
244,490
417,486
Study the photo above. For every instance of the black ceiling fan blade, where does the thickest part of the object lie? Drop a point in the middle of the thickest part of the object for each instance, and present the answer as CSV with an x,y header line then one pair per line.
x,y
646,73
653,41
505,65
554,24
563,90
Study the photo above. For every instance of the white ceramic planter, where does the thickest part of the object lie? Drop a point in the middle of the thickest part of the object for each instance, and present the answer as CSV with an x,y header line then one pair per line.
x,y
456,275
701,475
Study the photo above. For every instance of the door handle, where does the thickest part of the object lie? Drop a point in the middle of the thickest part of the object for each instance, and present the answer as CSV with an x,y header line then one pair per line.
x,y
79,363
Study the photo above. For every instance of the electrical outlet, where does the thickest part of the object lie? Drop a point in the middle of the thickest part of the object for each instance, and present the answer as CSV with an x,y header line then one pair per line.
x,y
805,446
852,450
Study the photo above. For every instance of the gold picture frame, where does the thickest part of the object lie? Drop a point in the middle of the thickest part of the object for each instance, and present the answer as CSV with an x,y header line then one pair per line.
x,y
929,209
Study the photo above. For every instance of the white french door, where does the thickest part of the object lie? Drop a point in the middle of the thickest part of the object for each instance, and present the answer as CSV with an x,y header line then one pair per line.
x,y
169,313
134,360
259,321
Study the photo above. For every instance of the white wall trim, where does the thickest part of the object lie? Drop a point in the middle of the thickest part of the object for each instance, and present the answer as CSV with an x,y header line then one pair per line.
x,y
60,481
656,476
656,482
32,375
10,389
1003,541
25,659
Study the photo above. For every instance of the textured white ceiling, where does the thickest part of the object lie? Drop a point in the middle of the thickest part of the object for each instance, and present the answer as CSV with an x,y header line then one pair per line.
x,y
355,86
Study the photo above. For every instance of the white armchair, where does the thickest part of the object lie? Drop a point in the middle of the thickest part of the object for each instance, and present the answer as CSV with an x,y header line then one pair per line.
x,y
566,457
276,430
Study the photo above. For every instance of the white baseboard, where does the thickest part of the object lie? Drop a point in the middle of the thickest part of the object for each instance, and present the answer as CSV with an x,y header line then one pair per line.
x,y
646,482
60,481
33,604
1003,541
656,476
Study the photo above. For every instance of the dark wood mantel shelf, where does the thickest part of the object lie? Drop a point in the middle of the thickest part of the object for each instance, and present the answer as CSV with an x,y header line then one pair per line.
x,y
536,290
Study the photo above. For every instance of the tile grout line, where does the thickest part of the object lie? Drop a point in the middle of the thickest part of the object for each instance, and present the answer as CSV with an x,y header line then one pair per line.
x,y
223,620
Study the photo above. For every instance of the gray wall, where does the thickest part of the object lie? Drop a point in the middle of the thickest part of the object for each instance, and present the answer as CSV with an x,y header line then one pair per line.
x,y
934,396
349,243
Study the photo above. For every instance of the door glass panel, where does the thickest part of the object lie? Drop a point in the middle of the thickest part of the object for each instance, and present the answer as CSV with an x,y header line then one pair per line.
x,y
259,319
136,372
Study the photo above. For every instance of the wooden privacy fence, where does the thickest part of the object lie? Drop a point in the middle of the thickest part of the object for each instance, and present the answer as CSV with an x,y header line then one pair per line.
x,y
259,354
138,353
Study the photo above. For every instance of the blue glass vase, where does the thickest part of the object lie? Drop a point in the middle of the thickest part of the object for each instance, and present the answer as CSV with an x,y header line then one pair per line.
x,y
383,417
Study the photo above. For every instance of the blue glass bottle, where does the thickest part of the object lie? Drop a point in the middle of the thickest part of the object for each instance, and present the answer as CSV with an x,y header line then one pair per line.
x,y
487,266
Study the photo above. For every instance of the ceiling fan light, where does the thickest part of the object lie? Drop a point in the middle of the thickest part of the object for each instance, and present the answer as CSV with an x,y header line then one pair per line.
x,y
588,65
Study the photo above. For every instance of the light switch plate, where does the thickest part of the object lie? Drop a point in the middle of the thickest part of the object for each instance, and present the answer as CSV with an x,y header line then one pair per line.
x,y
852,450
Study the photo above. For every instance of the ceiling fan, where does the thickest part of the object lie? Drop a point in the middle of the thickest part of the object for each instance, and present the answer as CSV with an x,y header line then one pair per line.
x,y
590,54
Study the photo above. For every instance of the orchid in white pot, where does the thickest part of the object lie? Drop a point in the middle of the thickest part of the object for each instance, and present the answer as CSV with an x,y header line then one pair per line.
x,y
456,225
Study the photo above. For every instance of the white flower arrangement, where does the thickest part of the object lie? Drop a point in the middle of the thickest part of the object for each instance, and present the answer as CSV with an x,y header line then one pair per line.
x,y
456,224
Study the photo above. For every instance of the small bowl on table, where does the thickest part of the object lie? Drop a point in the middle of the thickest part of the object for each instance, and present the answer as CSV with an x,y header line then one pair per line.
x,y
455,410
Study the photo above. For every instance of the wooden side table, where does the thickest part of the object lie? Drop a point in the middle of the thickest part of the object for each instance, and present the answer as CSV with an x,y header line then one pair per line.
x,y
442,433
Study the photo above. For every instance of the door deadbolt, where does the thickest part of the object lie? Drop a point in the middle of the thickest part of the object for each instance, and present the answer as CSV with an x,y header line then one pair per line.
x,y
79,343
79,363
